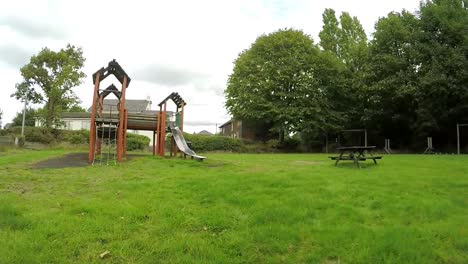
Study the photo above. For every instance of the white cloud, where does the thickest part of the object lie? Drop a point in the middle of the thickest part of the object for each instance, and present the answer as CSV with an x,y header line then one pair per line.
x,y
165,46
13,55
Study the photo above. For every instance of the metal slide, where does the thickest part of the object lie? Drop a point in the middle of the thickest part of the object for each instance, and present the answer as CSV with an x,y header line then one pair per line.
x,y
182,144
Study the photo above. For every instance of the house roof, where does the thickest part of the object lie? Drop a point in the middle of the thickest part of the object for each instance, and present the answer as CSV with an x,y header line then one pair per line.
x,y
206,133
76,115
88,114
132,105
225,124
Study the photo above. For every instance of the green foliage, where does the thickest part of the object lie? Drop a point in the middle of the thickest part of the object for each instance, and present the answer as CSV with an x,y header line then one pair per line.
x,y
49,78
76,108
77,136
29,120
276,81
392,77
137,142
38,134
344,44
203,143
442,51
346,39
330,33
417,73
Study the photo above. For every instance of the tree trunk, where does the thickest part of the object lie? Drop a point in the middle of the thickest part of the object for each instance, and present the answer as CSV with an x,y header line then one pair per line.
x,y
49,116
281,135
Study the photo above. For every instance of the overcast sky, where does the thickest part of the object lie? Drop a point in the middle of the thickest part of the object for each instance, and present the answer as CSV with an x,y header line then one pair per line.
x,y
165,46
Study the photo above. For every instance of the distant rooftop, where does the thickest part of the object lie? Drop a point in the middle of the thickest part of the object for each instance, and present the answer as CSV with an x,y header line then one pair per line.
x,y
204,132
132,105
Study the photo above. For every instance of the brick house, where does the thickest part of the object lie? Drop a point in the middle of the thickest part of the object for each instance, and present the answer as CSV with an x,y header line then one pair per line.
x,y
244,129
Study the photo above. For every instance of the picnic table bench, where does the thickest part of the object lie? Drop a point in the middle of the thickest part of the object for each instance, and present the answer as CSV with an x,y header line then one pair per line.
x,y
356,154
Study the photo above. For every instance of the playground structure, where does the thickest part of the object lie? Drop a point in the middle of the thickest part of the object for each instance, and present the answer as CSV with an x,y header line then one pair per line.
x,y
108,129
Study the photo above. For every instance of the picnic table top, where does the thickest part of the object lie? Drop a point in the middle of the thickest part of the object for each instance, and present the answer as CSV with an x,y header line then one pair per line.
x,y
356,148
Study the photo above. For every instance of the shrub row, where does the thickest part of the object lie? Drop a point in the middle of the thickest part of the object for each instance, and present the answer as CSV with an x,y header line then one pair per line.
x,y
199,143
54,136
203,143
137,142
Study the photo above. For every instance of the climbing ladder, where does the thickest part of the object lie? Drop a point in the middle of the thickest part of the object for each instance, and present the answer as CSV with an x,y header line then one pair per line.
x,y
106,144
105,150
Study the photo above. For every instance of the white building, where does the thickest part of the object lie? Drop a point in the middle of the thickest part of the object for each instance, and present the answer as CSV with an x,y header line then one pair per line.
x,y
82,120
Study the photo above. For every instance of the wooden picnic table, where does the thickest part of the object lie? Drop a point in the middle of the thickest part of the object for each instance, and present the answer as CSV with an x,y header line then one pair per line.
x,y
356,154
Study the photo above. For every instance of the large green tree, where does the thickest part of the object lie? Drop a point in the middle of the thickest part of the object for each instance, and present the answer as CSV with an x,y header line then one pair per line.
x,y
442,95
417,73
30,117
330,33
276,81
391,77
346,40
49,78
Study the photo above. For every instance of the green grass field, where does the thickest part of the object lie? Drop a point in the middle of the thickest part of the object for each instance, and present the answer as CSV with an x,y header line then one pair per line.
x,y
235,208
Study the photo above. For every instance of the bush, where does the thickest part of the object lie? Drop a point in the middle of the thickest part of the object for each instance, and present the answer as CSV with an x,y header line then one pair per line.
x,y
137,142
40,135
77,136
273,143
203,143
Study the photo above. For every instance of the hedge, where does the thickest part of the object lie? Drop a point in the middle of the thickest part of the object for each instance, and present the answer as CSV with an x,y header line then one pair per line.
x,y
203,143
137,142
54,136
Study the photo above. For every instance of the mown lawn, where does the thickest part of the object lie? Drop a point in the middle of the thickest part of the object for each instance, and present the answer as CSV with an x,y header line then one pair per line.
x,y
235,208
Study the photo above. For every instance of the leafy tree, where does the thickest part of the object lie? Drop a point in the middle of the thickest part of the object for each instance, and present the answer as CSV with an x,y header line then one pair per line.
x,y
1,114
352,41
30,118
391,77
275,81
345,38
442,96
331,33
49,78
417,73
76,108
347,41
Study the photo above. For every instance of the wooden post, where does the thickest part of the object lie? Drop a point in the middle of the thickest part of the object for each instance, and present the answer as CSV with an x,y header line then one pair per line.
x,y
158,144
120,134
163,129
125,133
154,143
182,118
92,125
99,115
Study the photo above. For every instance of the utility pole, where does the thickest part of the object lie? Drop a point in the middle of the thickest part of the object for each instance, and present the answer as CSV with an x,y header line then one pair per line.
x,y
24,116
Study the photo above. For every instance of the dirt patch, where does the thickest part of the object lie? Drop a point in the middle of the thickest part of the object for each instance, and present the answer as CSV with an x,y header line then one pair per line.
x,y
304,162
72,160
